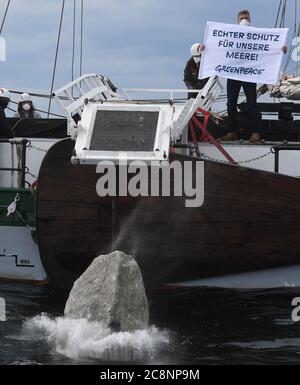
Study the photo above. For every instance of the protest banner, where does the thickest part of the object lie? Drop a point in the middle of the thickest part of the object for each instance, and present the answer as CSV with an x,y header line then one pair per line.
x,y
242,53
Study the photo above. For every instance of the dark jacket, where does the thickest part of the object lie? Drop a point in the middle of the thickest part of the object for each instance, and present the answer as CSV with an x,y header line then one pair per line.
x,y
191,73
5,130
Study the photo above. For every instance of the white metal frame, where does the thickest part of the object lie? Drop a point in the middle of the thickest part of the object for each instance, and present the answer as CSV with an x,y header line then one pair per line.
x,y
95,93
160,149
205,99
89,86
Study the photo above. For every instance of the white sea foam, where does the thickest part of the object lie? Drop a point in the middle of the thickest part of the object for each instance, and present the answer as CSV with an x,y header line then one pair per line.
x,y
79,338
267,344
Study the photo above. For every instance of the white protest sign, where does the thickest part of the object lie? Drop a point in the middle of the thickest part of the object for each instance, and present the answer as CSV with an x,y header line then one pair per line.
x,y
242,53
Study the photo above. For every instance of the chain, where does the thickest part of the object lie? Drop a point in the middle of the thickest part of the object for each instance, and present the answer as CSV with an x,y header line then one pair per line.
x,y
30,173
32,229
31,146
239,162
201,154
254,159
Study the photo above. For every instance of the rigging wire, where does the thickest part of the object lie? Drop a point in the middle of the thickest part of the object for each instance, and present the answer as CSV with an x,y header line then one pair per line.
x,y
282,21
278,13
287,62
4,17
295,23
56,55
73,43
296,33
291,69
81,36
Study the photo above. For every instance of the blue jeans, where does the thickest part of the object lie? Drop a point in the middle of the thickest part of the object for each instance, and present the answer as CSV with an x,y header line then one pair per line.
x,y
233,90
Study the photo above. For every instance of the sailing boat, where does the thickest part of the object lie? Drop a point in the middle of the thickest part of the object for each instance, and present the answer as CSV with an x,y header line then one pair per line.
x,y
248,220
288,86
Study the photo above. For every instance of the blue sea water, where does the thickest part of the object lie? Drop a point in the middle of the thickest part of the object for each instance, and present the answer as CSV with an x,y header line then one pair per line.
x,y
188,326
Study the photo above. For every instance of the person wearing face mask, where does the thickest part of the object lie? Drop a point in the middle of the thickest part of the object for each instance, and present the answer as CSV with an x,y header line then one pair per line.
x,y
233,89
5,130
191,71
26,108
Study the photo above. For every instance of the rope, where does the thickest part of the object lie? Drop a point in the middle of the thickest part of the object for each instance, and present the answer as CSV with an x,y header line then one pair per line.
x,y
56,54
81,36
4,17
38,95
47,96
73,43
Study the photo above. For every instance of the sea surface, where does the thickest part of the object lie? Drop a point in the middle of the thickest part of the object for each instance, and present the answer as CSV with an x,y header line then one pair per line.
x,y
187,326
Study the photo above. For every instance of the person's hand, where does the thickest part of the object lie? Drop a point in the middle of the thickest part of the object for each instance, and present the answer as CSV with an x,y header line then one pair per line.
x,y
284,49
202,47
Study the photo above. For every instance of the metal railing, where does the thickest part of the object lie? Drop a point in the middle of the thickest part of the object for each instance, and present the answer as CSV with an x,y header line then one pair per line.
x,y
284,147
89,86
210,91
22,169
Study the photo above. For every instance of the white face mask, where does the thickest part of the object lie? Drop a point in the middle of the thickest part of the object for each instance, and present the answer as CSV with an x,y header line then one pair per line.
x,y
197,59
26,106
245,22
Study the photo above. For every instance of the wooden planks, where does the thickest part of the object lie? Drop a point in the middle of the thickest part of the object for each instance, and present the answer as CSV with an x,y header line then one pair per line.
x,y
249,220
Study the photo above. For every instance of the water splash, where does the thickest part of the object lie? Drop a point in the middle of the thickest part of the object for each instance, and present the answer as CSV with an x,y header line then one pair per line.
x,y
267,344
82,339
123,232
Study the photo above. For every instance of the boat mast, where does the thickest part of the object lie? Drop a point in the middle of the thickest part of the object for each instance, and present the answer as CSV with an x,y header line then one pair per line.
x,y
73,48
56,55
73,41
81,36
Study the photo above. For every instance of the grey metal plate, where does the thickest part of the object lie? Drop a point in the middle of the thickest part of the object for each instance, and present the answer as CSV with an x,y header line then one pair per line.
x,y
124,131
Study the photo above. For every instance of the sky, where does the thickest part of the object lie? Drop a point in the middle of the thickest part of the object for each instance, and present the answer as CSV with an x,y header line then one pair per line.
x,y
136,43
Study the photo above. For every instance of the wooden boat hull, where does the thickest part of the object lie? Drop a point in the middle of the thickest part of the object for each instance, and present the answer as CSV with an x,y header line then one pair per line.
x,y
249,220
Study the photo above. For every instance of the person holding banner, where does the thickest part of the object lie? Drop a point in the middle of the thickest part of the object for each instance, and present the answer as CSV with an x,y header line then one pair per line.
x,y
245,55
191,71
233,90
